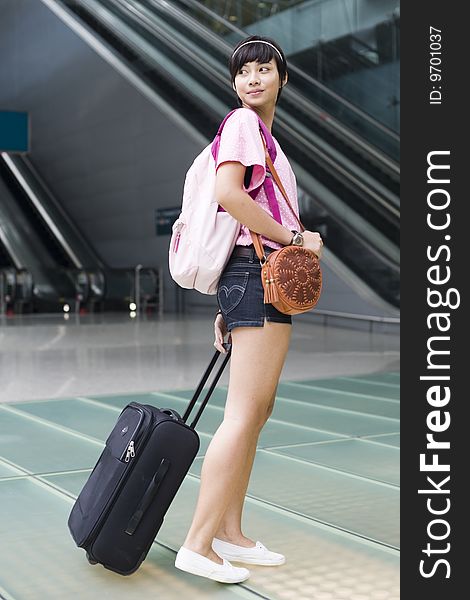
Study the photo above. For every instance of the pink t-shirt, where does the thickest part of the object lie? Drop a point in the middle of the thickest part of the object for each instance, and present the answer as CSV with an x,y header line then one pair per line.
x,y
240,141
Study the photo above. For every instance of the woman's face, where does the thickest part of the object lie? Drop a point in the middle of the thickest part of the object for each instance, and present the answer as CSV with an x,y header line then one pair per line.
x,y
257,84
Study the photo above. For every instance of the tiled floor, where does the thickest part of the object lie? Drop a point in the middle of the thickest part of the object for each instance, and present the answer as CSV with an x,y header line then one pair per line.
x,y
324,489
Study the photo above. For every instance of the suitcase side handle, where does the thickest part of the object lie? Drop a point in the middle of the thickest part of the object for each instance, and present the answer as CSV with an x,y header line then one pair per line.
x,y
171,413
148,496
205,377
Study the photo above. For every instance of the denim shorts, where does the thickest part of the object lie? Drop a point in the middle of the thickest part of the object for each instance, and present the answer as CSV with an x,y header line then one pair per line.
x,y
240,294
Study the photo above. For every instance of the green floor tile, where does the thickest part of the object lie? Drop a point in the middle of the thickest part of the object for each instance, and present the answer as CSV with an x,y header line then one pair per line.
x,y
359,457
322,562
364,388
218,397
273,430
90,419
72,482
274,433
41,449
40,560
7,471
120,400
381,386
354,504
388,440
337,421
333,422
385,377
338,399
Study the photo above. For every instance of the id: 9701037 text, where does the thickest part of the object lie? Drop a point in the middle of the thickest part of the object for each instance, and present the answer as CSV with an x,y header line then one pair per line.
x,y
435,60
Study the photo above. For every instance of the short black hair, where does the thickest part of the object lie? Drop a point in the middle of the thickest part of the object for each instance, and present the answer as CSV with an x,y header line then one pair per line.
x,y
261,53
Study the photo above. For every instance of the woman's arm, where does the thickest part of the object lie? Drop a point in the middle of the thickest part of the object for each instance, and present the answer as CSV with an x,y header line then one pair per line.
x,y
231,196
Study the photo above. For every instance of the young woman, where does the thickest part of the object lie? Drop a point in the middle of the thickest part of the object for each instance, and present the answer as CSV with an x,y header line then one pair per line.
x,y
260,334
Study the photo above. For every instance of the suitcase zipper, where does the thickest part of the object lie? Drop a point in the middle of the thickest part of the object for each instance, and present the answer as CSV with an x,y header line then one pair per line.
x,y
130,451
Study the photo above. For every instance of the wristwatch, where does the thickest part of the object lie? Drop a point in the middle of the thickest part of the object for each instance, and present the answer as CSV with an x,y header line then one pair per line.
x,y
298,239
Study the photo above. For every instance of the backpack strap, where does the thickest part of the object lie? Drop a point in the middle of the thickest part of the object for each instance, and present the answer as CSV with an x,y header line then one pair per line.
x,y
216,142
270,150
270,145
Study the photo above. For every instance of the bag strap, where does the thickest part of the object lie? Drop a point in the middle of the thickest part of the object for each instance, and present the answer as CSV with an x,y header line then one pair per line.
x,y
270,148
255,236
216,141
273,172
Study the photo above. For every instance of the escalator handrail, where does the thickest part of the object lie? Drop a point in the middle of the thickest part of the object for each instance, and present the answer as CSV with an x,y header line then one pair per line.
x,y
11,252
381,247
21,178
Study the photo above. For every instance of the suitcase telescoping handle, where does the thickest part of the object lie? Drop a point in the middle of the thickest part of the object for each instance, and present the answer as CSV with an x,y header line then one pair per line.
x,y
205,377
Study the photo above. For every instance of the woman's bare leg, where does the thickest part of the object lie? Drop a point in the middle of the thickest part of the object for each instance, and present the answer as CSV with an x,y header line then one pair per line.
x,y
258,355
230,528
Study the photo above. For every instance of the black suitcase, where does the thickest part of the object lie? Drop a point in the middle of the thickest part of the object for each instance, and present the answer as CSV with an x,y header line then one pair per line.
x,y
120,509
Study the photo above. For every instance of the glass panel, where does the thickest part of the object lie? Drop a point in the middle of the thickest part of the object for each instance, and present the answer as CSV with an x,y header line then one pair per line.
x,y
336,47
387,377
301,503
7,471
388,440
42,449
337,399
317,418
273,434
350,503
40,560
86,418
357,386
322,563
352,456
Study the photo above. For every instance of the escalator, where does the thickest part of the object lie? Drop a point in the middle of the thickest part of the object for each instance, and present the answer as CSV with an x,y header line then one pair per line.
x,y
348,188
31,215
317,69
28,247
5,258
380,172
61,235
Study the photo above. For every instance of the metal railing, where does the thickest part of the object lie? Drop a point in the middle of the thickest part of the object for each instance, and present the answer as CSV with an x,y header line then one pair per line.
x,y
16,289
145,289
371,319
148,289
3,297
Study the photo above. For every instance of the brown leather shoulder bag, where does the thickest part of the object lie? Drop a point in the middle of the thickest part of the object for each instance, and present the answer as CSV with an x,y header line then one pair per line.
x,y
291,276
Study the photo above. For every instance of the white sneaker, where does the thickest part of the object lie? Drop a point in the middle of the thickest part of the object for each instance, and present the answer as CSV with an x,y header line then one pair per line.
x,y
258,555
195,563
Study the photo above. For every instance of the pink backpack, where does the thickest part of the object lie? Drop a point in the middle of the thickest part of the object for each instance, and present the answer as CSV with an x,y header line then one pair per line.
x,y
204,235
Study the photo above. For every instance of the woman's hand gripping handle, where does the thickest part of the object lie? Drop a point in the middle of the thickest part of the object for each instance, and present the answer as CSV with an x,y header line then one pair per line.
x,y
220,331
